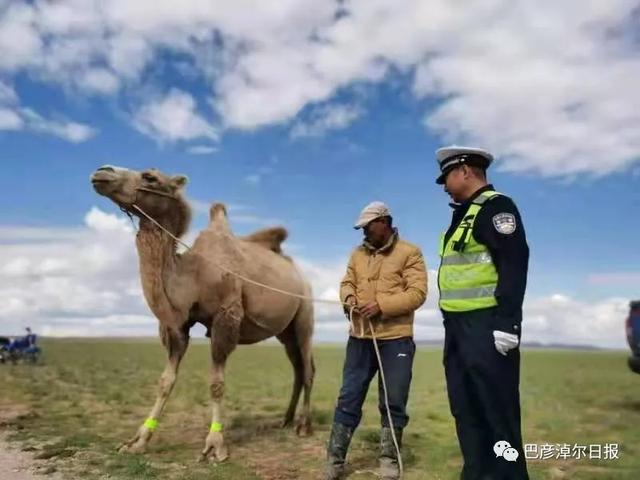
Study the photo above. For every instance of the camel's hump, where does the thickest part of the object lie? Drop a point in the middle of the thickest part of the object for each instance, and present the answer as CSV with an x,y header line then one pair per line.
x,y
270,238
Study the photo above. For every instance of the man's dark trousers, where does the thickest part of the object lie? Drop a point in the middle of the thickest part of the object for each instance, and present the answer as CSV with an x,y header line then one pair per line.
x,y
483,387
360,366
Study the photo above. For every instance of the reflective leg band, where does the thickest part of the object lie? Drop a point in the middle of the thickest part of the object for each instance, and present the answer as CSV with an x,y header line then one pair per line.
x,y
151,423
215,427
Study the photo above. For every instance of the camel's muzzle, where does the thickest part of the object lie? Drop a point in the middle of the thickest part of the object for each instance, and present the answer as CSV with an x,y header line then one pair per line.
x,y
104,175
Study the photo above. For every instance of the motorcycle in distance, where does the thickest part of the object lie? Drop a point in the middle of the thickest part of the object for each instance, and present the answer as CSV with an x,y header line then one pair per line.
x,y
23,349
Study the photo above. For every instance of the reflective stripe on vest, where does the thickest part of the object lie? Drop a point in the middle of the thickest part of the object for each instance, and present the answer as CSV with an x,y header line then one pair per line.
x,y
465,293
467,258
467,276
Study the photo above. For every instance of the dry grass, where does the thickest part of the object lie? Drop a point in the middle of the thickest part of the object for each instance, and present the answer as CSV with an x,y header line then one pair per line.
x,y
89,396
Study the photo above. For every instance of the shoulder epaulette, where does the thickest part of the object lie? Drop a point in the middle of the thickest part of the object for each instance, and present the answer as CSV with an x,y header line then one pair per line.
x,y
486,196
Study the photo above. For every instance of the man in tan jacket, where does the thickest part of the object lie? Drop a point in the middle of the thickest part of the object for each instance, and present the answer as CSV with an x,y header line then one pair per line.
x,y
386,282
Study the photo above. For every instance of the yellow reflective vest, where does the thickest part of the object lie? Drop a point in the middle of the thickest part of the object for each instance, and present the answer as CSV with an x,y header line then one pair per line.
x,y
467,276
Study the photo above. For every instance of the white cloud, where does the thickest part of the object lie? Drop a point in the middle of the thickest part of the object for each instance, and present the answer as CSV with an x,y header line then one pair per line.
x,y
20,41
15,117
326,118
100,221
28,119
614,278
256,178
16,234
70,131
15,267
127,53
253,179
100,80
562,319
173,118
124,325
10,120
60,275
494,70
542,109
68,18
202,149
325,282
7,94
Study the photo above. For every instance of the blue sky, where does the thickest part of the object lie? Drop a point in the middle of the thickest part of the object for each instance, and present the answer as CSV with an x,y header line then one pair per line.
x,y
300,116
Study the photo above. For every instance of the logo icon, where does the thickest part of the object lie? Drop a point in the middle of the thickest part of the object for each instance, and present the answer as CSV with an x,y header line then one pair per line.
x,y
503,449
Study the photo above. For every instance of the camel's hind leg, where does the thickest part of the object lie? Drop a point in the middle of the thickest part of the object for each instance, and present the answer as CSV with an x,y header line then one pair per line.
x,y
297,341
176,343
290,342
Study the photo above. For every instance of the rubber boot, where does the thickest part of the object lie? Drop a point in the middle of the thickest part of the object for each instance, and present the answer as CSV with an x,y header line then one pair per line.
x,y
337,451
389,467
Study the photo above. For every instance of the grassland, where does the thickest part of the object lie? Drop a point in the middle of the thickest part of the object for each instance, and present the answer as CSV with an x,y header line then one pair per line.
x,y
88,396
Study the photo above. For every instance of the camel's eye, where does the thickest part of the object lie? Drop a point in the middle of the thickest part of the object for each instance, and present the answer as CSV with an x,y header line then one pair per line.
x,y
149,177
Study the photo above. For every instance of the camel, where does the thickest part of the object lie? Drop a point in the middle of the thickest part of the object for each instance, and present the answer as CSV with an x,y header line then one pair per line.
x,y
188,288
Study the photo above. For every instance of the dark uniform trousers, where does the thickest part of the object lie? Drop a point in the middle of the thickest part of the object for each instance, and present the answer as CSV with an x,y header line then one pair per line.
x,y
483,388
360,366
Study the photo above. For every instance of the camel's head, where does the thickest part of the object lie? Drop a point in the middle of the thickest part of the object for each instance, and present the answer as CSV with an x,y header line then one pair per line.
x,y
151,190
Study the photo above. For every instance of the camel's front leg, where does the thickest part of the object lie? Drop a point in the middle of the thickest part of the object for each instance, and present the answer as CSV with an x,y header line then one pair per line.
x,y
214,446
176,343
224,339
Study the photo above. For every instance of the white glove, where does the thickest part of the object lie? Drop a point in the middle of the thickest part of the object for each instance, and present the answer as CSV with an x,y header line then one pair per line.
x,y
505,341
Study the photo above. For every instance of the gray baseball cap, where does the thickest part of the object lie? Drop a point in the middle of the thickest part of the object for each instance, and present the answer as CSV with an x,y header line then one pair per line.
x,y
371,212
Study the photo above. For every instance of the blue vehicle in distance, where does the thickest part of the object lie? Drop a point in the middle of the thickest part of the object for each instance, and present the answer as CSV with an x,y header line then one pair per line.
x,y
633,335
20,349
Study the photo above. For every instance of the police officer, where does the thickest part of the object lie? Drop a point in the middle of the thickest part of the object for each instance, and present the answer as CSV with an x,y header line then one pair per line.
x,y
482,279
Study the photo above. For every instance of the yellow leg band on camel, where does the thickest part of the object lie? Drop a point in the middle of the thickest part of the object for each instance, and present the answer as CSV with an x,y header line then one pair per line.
x,y
151,423
216,427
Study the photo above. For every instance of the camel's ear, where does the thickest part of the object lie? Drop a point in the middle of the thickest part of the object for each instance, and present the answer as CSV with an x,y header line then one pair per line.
x,y
179,181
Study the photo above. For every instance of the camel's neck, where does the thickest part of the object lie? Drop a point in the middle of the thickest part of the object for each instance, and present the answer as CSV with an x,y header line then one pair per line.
x,y
158,259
